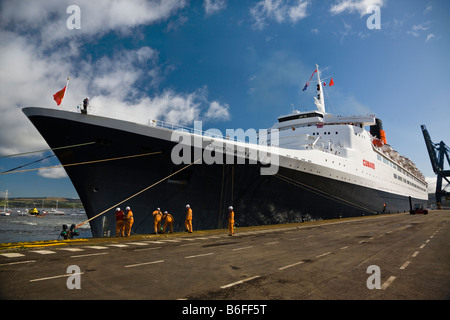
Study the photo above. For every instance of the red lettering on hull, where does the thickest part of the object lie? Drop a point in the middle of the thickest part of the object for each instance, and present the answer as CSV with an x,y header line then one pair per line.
x,y
368,164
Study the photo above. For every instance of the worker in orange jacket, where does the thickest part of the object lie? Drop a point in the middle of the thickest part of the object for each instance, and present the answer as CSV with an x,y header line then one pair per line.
x,y
188,221
168,221
157,215
230,220
120,223
128,221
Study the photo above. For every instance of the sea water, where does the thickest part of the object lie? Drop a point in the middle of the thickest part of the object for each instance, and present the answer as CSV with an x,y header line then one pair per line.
x,y
18,228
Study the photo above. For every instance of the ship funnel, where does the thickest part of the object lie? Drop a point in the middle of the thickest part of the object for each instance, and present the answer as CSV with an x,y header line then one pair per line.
x,y
377,130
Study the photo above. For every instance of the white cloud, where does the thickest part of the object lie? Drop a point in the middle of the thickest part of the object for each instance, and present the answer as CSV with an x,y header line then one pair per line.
x,y
431,184
217,111
298,12
33,68
420,29
53,173
353,6
278,10
429,37
97,17
214,6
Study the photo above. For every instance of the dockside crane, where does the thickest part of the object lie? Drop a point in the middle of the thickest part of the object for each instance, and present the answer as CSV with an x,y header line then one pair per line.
x,y
437,151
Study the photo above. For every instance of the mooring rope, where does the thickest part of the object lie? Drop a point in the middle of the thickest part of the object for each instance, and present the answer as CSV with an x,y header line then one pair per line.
x,y
43,150
83,163
321,193
137,193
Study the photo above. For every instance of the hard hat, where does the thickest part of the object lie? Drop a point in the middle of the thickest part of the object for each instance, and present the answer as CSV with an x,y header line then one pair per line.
x,y
117,209
165,212
188,206
158,209
127,208
230,208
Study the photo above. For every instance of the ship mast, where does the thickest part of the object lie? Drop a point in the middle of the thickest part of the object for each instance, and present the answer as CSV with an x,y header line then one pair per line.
x,y
319,100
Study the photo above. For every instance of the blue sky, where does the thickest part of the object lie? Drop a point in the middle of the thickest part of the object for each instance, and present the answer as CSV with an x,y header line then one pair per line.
x,y
231,64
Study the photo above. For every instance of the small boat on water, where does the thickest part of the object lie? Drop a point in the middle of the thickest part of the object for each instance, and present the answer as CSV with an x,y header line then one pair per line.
x,y
5,211
57,212
35,212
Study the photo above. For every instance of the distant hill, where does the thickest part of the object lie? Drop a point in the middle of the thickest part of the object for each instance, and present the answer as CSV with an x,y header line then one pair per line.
x,y
49,202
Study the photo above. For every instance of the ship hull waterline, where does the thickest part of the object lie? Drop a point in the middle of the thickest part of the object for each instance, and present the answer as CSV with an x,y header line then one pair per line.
x,y
289,196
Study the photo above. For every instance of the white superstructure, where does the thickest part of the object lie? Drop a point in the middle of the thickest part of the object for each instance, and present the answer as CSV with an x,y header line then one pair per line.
x,y
341,148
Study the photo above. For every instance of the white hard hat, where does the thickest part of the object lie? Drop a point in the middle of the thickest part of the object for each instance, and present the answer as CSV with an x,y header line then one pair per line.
x,y
165,212
188,206
158,209
230,208
117,209
127,208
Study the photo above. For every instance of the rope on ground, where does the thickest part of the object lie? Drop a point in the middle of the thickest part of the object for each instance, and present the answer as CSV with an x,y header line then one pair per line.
x,y
137,193
82,163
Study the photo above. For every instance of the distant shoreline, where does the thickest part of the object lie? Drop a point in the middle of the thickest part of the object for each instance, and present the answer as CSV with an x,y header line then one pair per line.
x,y
39,202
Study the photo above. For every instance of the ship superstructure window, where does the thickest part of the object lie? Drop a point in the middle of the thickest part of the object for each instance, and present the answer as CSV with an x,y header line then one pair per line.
x,y
300,116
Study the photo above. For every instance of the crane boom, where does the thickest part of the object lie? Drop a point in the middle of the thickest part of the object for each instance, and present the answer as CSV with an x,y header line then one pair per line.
x,y
437,162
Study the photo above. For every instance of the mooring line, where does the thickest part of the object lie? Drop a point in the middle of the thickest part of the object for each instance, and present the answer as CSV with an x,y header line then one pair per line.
x,y
320,192
137,193
43,150
82,163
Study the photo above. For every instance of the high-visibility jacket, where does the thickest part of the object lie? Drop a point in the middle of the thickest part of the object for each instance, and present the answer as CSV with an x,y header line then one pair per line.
x,y
231,222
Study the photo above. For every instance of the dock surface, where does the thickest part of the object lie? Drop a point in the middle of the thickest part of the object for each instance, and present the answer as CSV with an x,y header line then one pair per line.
x,y
332,260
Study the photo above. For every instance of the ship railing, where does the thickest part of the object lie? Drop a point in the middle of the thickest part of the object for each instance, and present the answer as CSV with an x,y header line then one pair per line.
x,y
178,127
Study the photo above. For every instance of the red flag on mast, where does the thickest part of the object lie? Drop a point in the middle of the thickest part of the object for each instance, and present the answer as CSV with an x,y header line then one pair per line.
x,y
59,96
331,82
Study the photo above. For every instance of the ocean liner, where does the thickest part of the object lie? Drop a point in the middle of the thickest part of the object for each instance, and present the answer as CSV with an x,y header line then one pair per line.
x,y
309,165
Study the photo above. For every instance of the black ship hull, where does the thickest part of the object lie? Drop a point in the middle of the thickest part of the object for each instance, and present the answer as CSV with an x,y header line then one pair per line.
x,y
288,196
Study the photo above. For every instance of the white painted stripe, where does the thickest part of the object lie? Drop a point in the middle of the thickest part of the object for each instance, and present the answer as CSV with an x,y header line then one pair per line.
x,y
145,249
323,254
118,245
269,243
422,246
138,243
143,264
291,265
403,267
189,244
427,241
243,248
343,248
12,255
89,255
388,282
17,262
55,277
238,282
72,249
43,251
199,255
170,240
97,247
415,254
